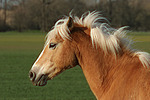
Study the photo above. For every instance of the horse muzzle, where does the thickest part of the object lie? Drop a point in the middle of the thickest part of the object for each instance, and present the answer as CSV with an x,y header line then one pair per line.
x,y
38,79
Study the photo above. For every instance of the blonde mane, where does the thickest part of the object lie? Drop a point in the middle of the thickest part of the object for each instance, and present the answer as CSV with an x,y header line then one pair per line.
x,y
102,35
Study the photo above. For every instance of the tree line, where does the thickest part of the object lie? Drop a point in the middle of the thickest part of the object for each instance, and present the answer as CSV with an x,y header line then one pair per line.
x,y
42,14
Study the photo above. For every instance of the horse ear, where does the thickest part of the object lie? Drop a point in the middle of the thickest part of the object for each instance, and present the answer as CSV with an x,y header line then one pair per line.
x,y
70,23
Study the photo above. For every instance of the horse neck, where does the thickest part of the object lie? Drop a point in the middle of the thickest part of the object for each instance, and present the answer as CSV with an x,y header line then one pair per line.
x,y
99,68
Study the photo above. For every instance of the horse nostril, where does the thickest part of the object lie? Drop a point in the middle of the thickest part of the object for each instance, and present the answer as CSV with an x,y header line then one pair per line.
x,y
32,75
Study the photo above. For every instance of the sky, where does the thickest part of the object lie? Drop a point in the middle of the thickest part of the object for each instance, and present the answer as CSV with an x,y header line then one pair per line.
x,y
9,1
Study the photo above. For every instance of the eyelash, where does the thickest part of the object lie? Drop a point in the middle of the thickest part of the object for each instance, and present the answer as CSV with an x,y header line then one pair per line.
x,y
52,45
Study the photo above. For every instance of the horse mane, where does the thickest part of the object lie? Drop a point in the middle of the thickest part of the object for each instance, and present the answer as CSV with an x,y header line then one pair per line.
x,y
107,38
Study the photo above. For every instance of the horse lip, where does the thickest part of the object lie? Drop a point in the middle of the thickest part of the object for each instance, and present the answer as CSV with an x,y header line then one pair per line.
x,y
42,81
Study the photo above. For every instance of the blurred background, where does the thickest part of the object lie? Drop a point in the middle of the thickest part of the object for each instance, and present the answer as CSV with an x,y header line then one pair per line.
x,y
23,26
23,15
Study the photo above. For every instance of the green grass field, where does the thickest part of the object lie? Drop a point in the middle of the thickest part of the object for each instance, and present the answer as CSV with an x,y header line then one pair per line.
x,y
18,51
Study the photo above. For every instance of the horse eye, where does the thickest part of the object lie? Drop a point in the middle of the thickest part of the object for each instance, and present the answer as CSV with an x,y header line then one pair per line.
x,y
52,45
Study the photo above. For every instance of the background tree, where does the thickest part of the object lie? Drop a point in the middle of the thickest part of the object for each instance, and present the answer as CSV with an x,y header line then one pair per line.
x,y
19,17
42,14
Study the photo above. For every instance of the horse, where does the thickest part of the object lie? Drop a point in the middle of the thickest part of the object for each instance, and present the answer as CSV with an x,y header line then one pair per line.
x,y
112,68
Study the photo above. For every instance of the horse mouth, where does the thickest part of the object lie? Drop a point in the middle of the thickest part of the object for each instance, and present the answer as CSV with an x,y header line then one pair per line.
x,y
42,81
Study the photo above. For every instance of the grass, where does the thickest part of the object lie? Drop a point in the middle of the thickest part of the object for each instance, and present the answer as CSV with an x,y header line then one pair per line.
x,y
141,40
18,51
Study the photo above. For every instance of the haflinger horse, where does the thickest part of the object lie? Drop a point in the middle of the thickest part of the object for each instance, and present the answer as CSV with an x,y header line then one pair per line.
x,y
113,70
